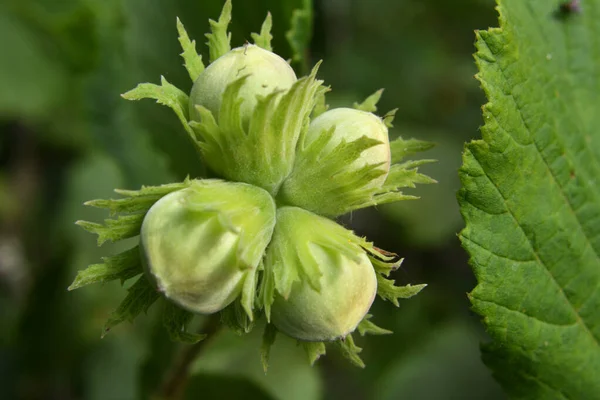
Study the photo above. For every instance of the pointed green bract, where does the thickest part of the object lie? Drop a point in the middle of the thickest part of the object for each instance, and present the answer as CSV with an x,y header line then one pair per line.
x,y
321,103
113,230
401,148
140,296
400,176
192,60
370,103
266,290
531,202
367,327
263,153
267,342
389,118
219,40
122,266
137,201
167,95
314,351
236,318
388,291
350,350
406,175
175,321
263,39
335,189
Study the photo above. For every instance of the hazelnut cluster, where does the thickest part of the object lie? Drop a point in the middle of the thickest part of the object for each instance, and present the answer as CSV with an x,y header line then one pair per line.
x,y
258,238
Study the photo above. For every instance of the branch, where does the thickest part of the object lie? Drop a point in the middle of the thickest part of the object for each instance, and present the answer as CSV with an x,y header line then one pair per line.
x,y
177,375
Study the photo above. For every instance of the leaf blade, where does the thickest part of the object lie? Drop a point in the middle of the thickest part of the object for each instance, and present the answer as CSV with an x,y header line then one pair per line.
x,y
530,210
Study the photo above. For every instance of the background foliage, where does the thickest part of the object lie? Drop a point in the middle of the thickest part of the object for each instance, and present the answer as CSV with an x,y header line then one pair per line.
x,y
67,137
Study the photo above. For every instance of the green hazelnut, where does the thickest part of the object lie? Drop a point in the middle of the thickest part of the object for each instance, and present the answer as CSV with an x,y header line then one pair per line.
x,y
199,244
336,282
350,124
266,72
342,161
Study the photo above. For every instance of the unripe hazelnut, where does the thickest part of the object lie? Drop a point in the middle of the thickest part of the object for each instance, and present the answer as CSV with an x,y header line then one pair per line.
x,y
350,124
266,72
347,282
344,159
199,243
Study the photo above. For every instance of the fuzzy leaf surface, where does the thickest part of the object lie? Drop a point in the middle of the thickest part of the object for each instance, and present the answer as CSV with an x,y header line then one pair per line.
x,y
531,200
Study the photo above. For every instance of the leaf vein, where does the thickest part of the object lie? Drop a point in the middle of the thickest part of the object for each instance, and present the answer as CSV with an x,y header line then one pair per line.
x,y
580,321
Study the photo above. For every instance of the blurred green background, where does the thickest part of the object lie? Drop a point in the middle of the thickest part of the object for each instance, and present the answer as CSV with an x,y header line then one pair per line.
x,y
67,137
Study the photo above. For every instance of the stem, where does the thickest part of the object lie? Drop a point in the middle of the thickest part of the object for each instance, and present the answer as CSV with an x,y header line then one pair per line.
x,y
177,375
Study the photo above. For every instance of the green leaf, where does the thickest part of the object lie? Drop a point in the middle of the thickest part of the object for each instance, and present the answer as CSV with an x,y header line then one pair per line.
x,y
175,320
300,33
167,95
219,40
125,226
370,103
264,39
140,296
388,291
530,200
192,60
122,266
269,335
367,327
350,350
314,351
